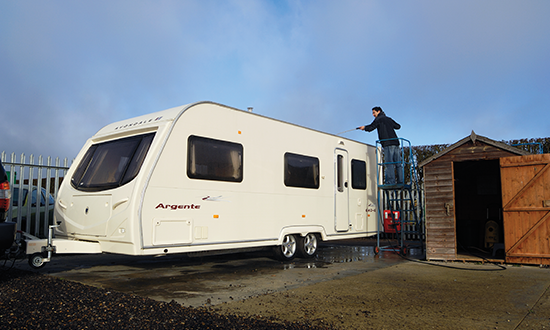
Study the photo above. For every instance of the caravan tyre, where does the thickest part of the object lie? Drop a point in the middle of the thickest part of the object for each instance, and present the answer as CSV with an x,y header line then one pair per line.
x,y
307,245
287,250
36,261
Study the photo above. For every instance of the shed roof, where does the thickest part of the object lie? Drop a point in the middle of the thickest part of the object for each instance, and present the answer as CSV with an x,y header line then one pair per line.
x,y
473,137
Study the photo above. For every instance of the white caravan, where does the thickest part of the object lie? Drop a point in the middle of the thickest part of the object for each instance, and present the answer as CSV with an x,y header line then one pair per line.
x,y
205,177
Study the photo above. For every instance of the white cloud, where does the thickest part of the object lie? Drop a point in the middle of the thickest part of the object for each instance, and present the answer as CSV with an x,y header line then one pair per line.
x,y
439,68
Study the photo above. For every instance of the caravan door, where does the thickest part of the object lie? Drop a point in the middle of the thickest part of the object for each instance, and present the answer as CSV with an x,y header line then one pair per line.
x,y
341,196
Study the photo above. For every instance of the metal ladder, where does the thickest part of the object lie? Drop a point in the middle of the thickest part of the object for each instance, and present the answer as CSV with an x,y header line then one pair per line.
x,y
400,207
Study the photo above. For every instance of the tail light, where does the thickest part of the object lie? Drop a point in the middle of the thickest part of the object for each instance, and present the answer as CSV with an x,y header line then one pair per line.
x,y
5,195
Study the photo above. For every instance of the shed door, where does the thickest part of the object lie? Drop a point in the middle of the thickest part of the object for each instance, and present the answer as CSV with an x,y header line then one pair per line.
x,y
526,208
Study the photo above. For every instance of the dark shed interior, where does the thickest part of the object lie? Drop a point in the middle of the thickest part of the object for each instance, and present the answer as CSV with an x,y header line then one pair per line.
x,y
478,208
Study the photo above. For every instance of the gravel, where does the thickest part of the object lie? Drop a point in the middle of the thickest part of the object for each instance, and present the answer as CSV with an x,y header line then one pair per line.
x,y
31,300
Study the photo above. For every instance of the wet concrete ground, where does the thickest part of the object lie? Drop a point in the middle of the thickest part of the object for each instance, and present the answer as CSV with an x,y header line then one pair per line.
x,y
208,281
346,286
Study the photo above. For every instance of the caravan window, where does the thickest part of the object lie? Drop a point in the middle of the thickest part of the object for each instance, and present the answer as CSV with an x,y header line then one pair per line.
x,y
340,173
358,174
111,164
301,171
210,159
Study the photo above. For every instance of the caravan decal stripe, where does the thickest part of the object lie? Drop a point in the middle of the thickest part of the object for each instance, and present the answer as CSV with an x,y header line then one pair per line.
x,y
274,240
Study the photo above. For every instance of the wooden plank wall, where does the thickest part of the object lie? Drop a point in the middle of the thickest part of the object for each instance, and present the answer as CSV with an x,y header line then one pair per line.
x,y
439,189
440,226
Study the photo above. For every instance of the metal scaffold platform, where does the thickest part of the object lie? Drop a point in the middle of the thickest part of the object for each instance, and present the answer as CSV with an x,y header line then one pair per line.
x,y
400,206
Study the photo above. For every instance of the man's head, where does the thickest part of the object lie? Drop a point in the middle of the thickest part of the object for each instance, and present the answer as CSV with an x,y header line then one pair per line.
x,y
376,111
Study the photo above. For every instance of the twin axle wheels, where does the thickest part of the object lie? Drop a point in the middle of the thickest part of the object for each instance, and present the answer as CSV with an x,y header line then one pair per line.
x,y
296,245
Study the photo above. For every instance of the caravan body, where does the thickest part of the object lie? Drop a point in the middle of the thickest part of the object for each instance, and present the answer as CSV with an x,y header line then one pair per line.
x,y
207,177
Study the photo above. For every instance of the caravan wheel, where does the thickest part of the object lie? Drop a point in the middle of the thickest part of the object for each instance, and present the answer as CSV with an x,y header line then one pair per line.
x,y
287,250
307,245
36,261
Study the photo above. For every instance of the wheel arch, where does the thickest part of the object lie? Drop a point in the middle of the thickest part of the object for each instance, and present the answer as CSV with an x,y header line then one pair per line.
x,y
302,231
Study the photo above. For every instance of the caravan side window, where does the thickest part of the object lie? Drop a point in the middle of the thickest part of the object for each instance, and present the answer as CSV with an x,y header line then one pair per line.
x,y
210,159
358,174
301,171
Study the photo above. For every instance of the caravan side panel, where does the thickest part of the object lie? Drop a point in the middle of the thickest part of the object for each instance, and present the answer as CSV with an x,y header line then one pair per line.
x,y
220,178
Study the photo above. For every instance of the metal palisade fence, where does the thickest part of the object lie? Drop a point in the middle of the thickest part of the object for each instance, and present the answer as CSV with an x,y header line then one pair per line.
x,y
34,185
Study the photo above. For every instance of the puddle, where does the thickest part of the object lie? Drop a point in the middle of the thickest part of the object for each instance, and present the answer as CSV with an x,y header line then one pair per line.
x,y
339,254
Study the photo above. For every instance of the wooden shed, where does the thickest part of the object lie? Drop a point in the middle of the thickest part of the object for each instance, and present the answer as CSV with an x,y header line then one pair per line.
x,y
463,197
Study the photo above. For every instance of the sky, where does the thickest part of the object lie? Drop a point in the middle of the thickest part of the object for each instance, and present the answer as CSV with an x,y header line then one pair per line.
x,y
439,68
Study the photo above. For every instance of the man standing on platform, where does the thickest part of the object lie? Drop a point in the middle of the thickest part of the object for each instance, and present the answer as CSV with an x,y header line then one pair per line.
x,y
390,143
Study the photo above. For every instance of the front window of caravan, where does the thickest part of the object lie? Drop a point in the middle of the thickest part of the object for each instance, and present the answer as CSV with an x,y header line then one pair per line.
x,y
210,159
111,164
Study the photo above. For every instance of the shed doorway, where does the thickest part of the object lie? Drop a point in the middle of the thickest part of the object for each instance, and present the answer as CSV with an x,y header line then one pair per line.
x,y
478,206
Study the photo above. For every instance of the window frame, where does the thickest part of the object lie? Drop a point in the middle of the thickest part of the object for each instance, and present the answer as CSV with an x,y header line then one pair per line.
x,y
85,176
293,175
234,174
340,180
358,174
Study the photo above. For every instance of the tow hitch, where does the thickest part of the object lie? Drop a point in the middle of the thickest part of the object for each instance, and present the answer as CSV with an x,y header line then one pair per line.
x,y
39,250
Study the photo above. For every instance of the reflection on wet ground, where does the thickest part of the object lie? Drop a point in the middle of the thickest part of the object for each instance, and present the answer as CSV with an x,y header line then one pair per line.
x,y
336,254
212,280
